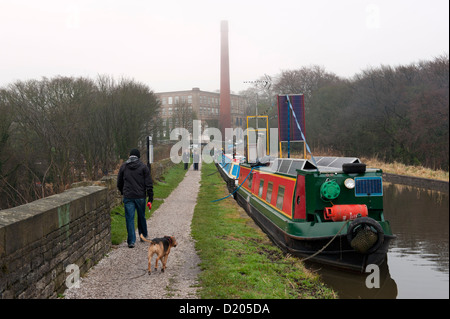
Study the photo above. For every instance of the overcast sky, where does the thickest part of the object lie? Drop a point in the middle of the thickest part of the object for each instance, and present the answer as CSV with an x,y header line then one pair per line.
x,y
175,45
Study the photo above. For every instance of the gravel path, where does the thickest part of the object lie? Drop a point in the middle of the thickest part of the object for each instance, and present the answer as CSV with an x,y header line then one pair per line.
x,y
123,273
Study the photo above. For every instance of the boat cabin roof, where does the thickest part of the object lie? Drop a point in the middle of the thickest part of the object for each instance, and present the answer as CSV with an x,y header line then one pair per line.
x,y
325,164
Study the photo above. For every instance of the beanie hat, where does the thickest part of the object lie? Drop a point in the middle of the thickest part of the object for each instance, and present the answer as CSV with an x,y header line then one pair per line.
x,y
135,152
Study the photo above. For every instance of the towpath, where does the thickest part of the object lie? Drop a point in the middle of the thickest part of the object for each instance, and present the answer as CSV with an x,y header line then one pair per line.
x,y
123,273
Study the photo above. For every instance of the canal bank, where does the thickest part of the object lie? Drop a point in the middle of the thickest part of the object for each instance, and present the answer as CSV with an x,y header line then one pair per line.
x,y
419,182
238,261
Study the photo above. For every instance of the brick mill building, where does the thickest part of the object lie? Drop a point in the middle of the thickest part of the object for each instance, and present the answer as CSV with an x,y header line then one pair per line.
x,y
205,105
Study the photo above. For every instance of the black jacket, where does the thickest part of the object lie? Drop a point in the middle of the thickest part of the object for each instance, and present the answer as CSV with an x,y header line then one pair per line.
x,y
134,179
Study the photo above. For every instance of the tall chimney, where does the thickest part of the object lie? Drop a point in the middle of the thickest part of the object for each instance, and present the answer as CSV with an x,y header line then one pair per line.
x,y
225,108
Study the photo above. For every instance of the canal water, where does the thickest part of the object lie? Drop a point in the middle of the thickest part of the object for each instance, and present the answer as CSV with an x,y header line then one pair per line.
x,y
418,259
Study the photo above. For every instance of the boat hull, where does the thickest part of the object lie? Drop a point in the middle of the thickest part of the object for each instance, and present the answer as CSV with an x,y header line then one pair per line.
x,y
338,251
229,180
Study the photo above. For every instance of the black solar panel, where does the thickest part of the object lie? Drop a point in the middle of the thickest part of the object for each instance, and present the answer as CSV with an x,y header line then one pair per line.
x,y
290,166
285,163
335,162
297,164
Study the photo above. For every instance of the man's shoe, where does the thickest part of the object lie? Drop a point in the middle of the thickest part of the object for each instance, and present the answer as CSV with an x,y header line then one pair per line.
x,y
131,245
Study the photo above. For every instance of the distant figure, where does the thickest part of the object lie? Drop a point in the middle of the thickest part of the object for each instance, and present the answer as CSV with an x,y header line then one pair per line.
x,y
186,157
134,183
196,160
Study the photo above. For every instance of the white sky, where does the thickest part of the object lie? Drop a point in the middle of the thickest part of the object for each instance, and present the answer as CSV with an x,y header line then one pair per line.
x,y
175,45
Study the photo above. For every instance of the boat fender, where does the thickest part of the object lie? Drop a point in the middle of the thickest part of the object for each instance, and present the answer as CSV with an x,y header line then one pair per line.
x,y
365,243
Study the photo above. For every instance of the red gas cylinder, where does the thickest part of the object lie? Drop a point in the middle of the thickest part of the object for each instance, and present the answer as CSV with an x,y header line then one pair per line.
x,y
339,213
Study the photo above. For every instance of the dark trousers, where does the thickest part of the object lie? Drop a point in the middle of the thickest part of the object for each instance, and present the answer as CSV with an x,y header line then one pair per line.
x,y
132,204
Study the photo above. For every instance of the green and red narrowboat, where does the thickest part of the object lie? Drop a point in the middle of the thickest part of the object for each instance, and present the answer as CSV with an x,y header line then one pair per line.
x,y
329,212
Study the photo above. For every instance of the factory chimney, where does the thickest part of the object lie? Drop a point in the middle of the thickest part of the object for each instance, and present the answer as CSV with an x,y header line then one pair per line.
x,y
225,107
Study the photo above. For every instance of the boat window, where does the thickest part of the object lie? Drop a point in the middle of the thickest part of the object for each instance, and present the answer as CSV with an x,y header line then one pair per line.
x,y
261,186
280,197
269,192
250,178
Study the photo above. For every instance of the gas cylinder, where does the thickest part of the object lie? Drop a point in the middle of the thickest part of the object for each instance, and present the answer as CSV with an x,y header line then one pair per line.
x,y
339,213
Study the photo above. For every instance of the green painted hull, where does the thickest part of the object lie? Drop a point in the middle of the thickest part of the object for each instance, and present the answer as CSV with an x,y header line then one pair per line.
x,y
300,228
313,236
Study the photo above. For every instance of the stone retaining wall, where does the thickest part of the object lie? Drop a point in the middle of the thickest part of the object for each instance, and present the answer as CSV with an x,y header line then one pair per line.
x,y
42,243
45,241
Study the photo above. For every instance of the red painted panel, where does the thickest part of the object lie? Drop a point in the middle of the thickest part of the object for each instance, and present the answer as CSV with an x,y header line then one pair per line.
x,y
276,181
300,205
242,175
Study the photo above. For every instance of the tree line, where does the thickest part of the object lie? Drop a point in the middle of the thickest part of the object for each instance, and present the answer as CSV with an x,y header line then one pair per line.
x,y
396,113
57,131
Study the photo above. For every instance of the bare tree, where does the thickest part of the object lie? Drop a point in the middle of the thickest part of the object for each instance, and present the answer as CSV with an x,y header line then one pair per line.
x,y
183,116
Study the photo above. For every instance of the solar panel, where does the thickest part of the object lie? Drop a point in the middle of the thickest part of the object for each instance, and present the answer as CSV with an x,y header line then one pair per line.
x,y
297,164
368,186
289,166
286,119
324,161
285,163
334,162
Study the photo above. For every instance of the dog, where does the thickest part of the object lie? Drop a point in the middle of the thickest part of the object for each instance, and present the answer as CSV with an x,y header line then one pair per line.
x,y
161,247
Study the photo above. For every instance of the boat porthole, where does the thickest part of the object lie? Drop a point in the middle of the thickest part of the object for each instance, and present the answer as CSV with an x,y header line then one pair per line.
x,y
298,200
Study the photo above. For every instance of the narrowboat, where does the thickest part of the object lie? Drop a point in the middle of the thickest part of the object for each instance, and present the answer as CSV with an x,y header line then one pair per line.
x,y
329,210
229,168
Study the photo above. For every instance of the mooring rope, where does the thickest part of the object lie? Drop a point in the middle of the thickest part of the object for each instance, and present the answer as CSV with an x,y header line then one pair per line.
x,y
237,188
324,247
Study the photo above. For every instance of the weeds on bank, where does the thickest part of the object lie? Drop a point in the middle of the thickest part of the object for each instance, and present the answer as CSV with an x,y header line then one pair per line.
x,y
408,170
161,189
238,259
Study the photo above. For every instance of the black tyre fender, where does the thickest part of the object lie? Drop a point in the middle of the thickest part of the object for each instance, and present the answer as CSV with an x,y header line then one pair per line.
x,y
370,222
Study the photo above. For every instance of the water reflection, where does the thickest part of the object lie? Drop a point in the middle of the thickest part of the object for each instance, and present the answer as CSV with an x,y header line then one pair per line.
x,y
420,220
418,262
350,285
419,257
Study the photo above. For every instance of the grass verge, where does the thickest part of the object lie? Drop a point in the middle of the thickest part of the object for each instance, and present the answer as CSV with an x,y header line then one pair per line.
x,y
408,170
238,259
161,190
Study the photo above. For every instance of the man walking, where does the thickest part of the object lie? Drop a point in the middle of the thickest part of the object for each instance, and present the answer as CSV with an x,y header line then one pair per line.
x,y
134,183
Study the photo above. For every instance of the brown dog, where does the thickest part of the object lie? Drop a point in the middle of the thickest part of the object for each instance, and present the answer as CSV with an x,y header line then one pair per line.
x,y
160,247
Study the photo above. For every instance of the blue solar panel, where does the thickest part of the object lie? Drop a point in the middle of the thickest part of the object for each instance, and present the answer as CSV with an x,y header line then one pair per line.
x,y
368,186
287,128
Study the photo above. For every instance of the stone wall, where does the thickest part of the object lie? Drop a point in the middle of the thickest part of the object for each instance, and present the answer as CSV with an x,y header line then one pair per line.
x,y
432,184
43,242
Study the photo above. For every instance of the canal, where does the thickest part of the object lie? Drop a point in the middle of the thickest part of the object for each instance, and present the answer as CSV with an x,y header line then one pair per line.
x,y
418,259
